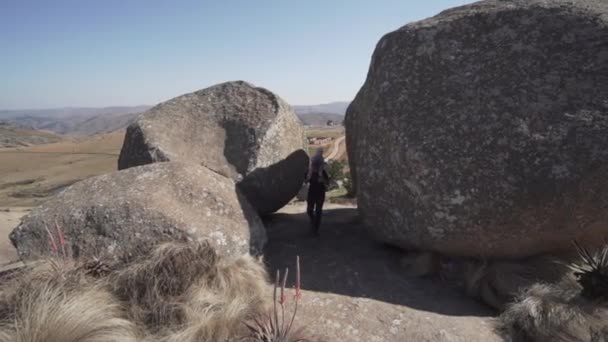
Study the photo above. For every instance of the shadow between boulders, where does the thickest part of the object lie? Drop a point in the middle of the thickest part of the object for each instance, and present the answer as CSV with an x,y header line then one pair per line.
x,y
257,237
344,260
270,188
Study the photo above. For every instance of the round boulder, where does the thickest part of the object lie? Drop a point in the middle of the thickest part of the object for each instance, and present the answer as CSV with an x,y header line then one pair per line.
x,y
127,212
233,128
483,131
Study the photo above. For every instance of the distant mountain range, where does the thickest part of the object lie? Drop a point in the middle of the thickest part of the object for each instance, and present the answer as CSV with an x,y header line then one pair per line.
x,y
319,115
330,108
320,119
74,121
90,121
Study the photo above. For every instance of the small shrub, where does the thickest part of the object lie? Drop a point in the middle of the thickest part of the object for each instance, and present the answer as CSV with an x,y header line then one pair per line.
x,y
335,169
348,185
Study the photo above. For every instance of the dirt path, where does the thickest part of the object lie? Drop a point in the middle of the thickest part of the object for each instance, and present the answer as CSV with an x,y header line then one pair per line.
x,y
335,151
344,261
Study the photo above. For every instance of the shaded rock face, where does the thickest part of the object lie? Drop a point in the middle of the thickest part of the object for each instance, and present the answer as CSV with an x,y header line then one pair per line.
x,y
232,128
484,130
270,188
127,212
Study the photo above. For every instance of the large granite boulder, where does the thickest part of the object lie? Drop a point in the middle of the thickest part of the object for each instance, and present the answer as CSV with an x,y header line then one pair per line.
x,y
232,128
484,130
127,212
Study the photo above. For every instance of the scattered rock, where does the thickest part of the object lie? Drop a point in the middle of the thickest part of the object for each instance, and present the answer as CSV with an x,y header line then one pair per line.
x,y
235,129
483,131
130,211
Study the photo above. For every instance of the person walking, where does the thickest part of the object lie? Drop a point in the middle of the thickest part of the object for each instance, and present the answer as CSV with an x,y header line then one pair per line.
x,y
318,180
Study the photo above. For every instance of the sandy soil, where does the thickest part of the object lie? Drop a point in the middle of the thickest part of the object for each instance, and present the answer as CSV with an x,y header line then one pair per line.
x,y
337,150
9,219
30,175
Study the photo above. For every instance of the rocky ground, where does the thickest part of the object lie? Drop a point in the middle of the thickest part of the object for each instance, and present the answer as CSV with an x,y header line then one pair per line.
x,y
354,289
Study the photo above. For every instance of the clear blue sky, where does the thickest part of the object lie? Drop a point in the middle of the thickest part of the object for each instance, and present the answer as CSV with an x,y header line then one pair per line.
x,y
58,53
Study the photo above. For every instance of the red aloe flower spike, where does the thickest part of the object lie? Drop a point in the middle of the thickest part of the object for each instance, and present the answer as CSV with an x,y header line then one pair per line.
x,y
61,239
52,240
283,299
298,284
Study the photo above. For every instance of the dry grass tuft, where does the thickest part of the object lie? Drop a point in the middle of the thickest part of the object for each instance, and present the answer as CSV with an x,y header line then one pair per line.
x,y
554,313
216,305
572,310
154,286
51,304
179,292
185,292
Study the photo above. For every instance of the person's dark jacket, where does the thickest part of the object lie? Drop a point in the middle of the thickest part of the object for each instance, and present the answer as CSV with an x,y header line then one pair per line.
x,y
317,186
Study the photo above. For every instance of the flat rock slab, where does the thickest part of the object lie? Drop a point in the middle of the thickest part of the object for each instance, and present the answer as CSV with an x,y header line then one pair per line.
x,y
344,318
355,291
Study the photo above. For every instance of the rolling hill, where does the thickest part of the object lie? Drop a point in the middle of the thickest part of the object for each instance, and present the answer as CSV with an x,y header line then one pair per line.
x,y
74,121
13,136
320,119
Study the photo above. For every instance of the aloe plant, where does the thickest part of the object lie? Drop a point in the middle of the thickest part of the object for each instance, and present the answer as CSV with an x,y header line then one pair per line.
x,y
592,272
274,326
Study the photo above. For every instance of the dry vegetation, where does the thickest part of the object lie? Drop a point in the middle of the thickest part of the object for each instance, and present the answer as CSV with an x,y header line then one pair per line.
x,y
11,136
574,309
29,175
178,292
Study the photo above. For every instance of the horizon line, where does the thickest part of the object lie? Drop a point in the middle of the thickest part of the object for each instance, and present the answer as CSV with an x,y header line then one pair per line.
x,y
140,105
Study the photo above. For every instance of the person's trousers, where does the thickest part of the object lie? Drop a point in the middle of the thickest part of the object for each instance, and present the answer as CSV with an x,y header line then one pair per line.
x,y
315,209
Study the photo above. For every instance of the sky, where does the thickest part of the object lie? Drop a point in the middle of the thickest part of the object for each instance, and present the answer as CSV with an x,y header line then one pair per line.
x,y
87,53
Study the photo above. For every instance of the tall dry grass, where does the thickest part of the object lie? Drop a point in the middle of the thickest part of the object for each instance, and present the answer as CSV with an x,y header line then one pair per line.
x,y
185,292
179,292
55,304
554,313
